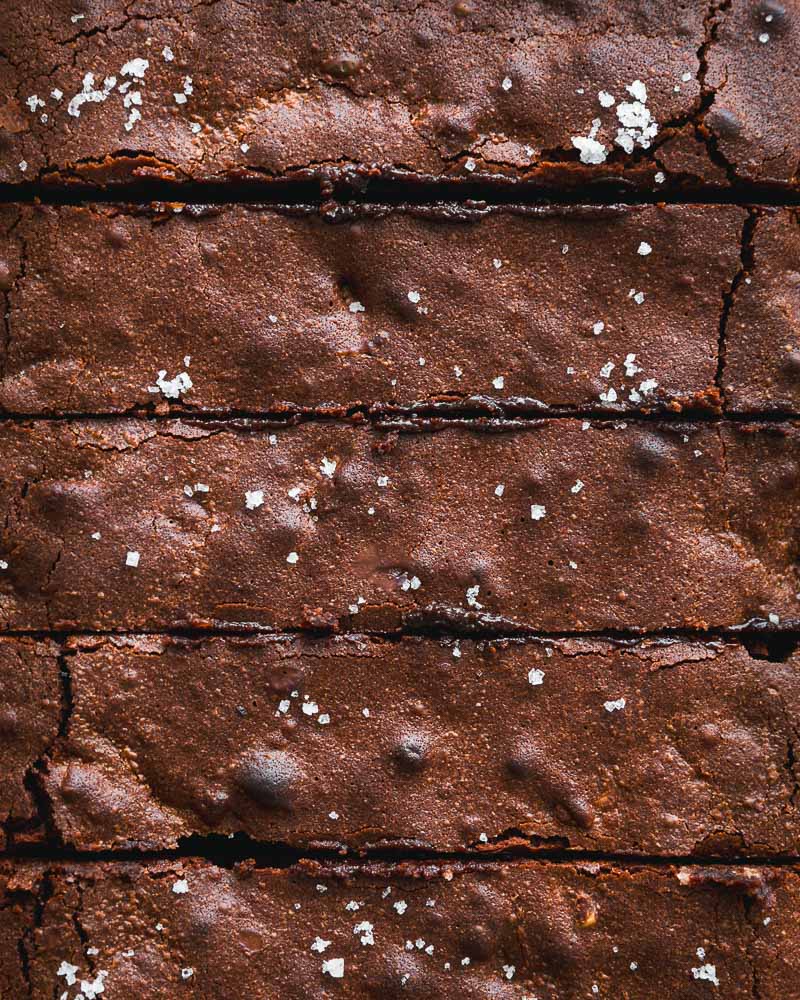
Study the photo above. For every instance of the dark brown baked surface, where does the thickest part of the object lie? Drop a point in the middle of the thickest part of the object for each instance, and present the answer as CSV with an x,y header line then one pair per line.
x,y
504,932
209,90
762,350
659,747
30,713
599,308
560,525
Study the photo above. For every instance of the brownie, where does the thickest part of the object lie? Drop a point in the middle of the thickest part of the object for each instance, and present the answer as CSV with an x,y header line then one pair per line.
x,y
510,931
552,525
762,349
753,70
356,743
30,713
557,92
595,308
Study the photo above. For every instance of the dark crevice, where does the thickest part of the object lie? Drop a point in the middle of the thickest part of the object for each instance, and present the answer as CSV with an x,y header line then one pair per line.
x,y
747,258
756,636
33,779
338,193
226,852
26,944
475,412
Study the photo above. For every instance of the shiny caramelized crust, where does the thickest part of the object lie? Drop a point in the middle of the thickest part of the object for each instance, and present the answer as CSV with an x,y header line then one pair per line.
x,y
653,747
611,308
173,88
151,932
561,526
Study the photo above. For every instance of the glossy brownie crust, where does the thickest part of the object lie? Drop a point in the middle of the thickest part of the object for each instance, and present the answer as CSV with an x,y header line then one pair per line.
x,y
354,743
608,309
561,525
462,88
507,931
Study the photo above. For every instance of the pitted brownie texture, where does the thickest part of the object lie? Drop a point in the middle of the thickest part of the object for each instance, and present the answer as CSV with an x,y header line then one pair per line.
x,y
504,931
610,308
553,91
559,525
655,747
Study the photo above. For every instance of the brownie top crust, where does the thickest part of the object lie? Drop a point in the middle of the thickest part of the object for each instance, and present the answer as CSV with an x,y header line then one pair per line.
x,y
466,932
548,90
359,744
508,310
556,525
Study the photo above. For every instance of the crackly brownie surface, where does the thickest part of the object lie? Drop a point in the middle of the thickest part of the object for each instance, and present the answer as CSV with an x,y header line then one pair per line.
x,y
205,90
659,747
762,350
505,932
557,525
30,710
606,308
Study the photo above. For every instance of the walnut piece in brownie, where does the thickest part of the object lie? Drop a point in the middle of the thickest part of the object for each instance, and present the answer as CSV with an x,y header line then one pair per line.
x,y
559,525
600,308
556,92
466,932
655,747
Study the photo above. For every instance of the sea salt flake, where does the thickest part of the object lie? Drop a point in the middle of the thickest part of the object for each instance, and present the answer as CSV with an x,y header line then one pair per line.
x,y
167,53
499,382
333,967
577,487
253,499
68,972
614,706
535,677
356,307
187,973
320,944
180,887
706,972
132,559
538,511
413,297
327,467
507,83
606,99
598,328
499,490
365,930
472,596
401,906
644,249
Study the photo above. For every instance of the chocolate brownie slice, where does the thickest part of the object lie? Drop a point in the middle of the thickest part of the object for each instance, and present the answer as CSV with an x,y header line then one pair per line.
x,y
557,92
762,347
556,525
658,747
505,931
600,308
30,712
